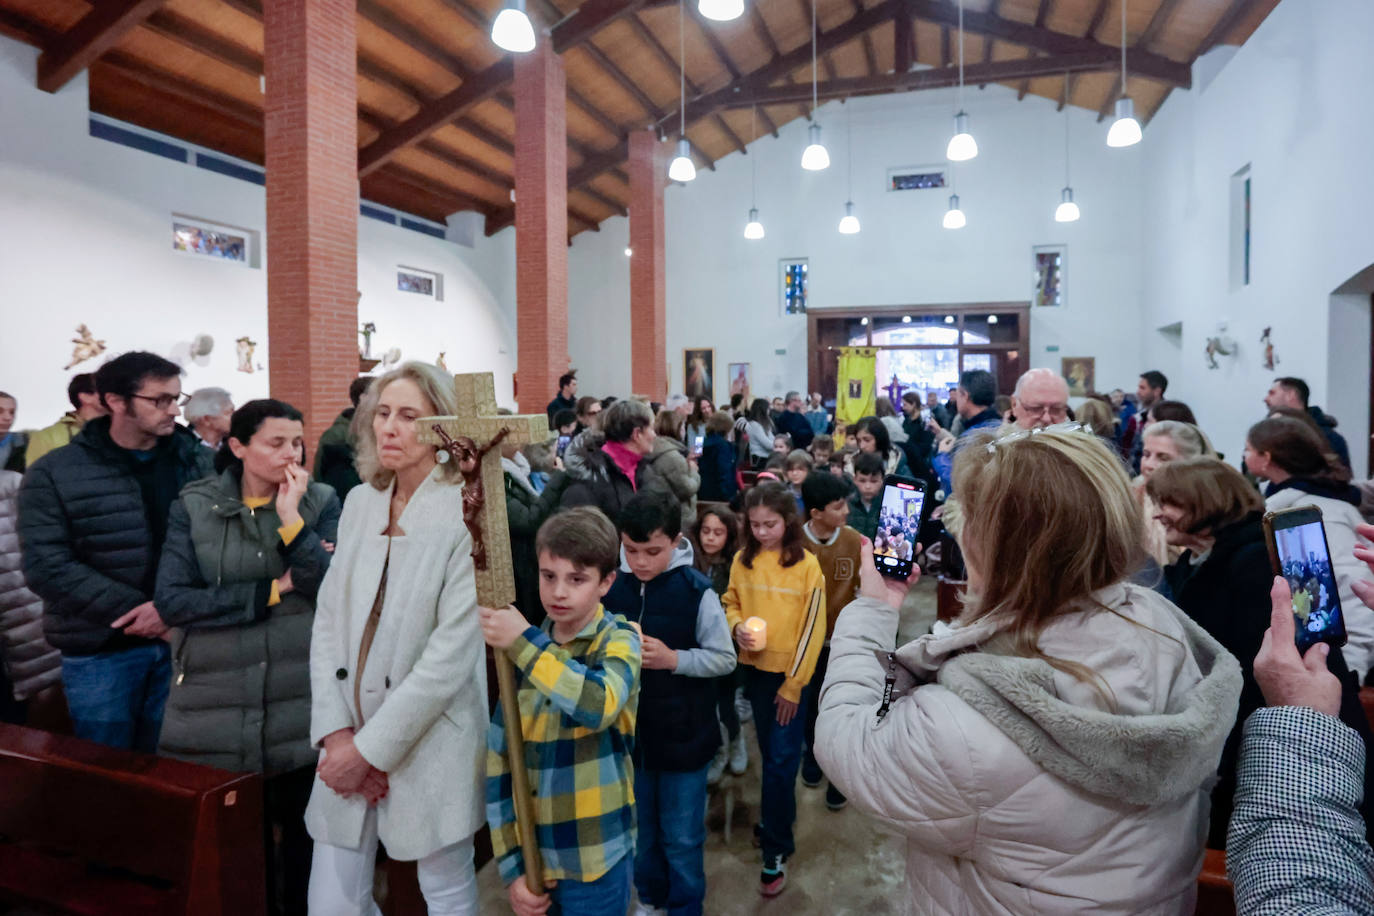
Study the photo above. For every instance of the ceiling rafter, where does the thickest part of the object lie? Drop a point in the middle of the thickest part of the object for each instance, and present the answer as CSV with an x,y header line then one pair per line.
x,y
1094,24
407,34
764,35
1042,12
21,28
94,33
903,40
1225,25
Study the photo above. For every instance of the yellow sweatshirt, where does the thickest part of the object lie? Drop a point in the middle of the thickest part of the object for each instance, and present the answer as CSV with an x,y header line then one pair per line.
x,y
792,601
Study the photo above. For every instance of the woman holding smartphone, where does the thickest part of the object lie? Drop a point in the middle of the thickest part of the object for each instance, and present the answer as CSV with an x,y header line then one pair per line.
x,y
1222,580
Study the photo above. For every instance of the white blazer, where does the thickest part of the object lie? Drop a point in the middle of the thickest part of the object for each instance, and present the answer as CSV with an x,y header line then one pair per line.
x,y
424,690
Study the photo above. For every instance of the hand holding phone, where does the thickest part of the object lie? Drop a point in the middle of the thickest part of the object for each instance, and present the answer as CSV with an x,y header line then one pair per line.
x,y
1299,553
896,542
1285,677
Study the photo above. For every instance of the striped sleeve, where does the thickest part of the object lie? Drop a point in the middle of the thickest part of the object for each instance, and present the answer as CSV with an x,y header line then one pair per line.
x,y
592,694
810,633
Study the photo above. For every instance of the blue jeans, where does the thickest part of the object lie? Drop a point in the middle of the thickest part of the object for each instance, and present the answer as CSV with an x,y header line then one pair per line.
x,y
606,895
117,698
670,866
780,746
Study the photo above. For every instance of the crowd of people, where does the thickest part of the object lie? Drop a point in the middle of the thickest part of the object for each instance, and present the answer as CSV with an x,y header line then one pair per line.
x,y
1125,654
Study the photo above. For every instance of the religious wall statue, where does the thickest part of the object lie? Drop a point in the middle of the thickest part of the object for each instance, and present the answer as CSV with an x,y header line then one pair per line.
x,y
245,348
1271,358
469,457
87,347
366,333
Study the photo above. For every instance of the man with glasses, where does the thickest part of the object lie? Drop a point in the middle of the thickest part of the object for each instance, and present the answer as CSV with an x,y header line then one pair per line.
x,y
92,518
1041,399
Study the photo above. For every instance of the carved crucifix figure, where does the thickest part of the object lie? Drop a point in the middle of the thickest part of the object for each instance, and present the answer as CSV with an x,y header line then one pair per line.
x,y
469,457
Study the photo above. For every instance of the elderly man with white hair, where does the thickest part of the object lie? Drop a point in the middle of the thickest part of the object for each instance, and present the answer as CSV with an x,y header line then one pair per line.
x,y
207,412
1041,399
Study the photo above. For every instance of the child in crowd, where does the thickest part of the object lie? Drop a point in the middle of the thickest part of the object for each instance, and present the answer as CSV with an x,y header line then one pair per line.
x,y
714,541
686,647
822,448
836,464
579,686
866,505
797,467
782,444
851,438
837,548
775,579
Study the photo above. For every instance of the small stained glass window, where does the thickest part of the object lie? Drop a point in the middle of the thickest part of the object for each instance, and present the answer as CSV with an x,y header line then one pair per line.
x,y
794,286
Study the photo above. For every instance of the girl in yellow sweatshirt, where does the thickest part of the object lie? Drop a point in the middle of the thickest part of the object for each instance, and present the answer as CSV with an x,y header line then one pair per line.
x,y
776,579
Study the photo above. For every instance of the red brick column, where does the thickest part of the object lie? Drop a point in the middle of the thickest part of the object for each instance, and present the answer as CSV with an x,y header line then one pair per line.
x,y
648,286
312,205
541,225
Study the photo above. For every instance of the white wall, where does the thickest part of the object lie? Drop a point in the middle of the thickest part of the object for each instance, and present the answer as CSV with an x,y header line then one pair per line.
x,y
723,290
1296,102
85,238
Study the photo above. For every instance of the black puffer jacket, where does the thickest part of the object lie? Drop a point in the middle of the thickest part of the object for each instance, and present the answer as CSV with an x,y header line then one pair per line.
x,y
595,480
91,547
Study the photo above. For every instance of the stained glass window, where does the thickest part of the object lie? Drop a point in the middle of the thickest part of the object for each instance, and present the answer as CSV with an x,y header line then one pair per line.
x,y
794,286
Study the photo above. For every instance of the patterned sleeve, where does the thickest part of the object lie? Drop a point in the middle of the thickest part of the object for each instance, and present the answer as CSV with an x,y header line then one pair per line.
x,y
505,833
592,693
1297,842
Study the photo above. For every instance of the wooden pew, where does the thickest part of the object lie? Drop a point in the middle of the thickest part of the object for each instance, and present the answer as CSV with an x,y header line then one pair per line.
x,y
1215,897
90,830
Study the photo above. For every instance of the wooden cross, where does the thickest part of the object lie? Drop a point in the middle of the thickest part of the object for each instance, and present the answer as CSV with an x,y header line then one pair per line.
x,y
483,429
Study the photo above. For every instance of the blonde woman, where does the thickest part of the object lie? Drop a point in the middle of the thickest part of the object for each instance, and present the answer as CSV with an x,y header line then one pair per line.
x,y
397,675
1164,441
1051,752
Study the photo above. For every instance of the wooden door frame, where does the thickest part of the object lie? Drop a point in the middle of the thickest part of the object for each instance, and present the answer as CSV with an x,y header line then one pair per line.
x,y
814,355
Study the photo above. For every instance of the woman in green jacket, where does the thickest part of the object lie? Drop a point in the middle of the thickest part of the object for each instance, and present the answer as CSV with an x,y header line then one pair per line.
x,y
244,557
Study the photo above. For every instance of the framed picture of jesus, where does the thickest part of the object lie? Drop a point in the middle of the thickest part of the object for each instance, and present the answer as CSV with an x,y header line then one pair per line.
x,y
699,373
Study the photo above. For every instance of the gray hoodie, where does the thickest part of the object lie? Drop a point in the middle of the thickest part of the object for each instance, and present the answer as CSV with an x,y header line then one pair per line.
x,y
716,655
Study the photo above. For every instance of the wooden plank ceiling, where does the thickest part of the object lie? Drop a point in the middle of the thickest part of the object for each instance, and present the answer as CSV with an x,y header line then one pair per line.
x,y
436,118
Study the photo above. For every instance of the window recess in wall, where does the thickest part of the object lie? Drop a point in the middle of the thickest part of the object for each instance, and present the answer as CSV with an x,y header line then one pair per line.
x,y
202,238
421,282
1240,228
1050,264
916,178
795,285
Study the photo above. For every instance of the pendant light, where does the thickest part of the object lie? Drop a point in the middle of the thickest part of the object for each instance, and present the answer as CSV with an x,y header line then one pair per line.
x,y
1067,211
512,30
721,10
753,229
954,217
681,168
814,157
1125,130
849,224
962,146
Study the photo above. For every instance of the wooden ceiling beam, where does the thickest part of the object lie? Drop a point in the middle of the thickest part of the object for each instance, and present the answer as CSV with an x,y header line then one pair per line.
x,y
670,64
21,28
403,32
1042,12
936,78
427,185
903,39
1224,25
191,34
760,26
610,203
992,26
177,87
94,33
1157,23
570,32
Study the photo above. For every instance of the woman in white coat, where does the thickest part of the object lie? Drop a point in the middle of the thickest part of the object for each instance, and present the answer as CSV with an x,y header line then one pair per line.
x,y
398,678
1053,750
1303,471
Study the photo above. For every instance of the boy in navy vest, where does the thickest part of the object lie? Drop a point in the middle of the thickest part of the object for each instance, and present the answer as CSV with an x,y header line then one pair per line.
x,y
686,644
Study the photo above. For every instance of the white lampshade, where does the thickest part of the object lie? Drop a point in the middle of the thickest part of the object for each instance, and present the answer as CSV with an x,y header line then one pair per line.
x,y
849,223
814,157
512,30
1067,211
753,229
962,146
954,217
1125,130
681,168
721,10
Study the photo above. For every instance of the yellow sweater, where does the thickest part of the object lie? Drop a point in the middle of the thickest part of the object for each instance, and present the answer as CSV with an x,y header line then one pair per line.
x,y
792,601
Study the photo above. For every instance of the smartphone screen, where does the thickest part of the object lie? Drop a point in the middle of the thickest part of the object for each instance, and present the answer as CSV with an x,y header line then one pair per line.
x,y
698,443
1301,555
899,526
563,444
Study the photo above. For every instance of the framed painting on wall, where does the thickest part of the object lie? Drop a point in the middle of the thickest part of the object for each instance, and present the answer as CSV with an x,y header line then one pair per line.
x,y
1080,372
739,381
1050,263
699,373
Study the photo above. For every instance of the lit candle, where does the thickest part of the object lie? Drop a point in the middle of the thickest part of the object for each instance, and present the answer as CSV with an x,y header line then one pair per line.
x,y
758,627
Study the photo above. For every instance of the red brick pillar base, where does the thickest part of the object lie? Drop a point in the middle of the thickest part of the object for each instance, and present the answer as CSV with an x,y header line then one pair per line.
x,y
312,205
648,286
541,225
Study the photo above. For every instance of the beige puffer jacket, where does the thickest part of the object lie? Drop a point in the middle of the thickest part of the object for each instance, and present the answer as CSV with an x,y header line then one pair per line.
x,y
29,661
1017,788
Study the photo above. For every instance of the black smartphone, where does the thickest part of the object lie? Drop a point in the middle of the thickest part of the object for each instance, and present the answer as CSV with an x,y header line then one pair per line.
x,y
698,444
1299,553
899,524
563,444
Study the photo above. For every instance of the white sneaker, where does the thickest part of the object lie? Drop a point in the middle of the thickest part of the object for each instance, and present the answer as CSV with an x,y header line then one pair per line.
x,y
743,706
717,768
739,755
643,909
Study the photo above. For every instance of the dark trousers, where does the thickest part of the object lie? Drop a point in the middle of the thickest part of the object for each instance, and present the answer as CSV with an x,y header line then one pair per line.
x,y
813,702
726,685
288,845
780,747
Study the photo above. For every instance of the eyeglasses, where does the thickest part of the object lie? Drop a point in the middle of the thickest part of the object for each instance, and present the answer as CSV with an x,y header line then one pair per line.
x,y
163,401
1054,410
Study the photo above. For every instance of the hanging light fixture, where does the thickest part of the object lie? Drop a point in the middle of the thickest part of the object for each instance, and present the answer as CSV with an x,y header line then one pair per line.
x,y
849,223
681,168
1125,130
753,229
721,10
814,157
1067,211
962,146
954,217
512,31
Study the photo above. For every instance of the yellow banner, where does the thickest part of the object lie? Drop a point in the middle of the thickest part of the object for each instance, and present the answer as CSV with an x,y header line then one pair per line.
x,y
857,379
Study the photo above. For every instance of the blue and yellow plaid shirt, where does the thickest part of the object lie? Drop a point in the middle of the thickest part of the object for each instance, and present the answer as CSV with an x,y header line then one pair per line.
x,y
577,710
